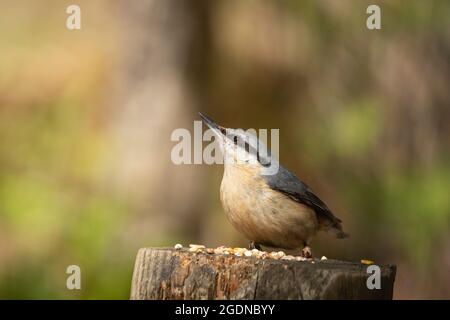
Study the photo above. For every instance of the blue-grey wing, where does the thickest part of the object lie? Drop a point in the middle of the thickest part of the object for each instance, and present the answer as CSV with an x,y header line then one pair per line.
x,y
287,183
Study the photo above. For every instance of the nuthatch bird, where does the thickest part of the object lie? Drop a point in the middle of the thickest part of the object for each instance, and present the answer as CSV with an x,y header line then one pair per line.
x,y
274,209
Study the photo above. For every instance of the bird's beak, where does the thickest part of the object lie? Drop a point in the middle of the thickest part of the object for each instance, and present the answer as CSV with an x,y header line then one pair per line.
x,y
214,126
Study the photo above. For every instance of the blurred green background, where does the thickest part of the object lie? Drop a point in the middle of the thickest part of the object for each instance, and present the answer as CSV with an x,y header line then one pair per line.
x,y
86,117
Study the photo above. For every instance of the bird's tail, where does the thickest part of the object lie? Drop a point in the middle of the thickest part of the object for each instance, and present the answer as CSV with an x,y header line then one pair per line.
x,y
334,228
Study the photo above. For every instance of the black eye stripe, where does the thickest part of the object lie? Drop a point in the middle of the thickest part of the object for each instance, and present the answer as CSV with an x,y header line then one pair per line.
x,y
246,144
252,150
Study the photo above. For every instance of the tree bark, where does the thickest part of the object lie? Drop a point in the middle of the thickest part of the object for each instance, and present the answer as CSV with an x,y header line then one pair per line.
x,y
162,273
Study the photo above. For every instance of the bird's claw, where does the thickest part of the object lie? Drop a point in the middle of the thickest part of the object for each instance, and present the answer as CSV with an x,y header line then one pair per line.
x,y
254,245
307,253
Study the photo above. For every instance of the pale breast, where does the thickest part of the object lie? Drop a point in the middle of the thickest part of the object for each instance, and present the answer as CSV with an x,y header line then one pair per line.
x,y
262,214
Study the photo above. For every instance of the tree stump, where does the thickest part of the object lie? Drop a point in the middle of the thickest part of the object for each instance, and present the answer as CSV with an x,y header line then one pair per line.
x,y
166,273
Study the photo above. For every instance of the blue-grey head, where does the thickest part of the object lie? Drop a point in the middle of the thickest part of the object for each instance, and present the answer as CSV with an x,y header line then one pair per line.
x,y
240,146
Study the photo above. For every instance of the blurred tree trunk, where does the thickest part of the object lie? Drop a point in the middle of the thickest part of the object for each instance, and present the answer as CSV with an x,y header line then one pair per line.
x,y
153,98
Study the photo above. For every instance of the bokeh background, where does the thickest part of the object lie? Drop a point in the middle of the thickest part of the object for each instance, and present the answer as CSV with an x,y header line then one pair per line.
x,y
86,118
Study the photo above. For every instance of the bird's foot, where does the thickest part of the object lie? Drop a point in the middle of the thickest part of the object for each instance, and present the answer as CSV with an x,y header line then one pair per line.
x,y
307,253
254,245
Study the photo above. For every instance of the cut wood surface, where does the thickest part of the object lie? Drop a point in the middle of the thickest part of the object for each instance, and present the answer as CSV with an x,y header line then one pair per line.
x,y
166,273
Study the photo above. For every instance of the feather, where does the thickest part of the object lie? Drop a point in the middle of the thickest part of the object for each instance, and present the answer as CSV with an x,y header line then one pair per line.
x,y
287,183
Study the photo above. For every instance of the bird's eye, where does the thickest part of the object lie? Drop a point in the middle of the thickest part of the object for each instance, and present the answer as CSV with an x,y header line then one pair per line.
x,y
235,139
223,130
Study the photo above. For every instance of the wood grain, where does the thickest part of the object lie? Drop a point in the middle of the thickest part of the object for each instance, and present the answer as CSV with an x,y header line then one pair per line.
x,y
166,273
